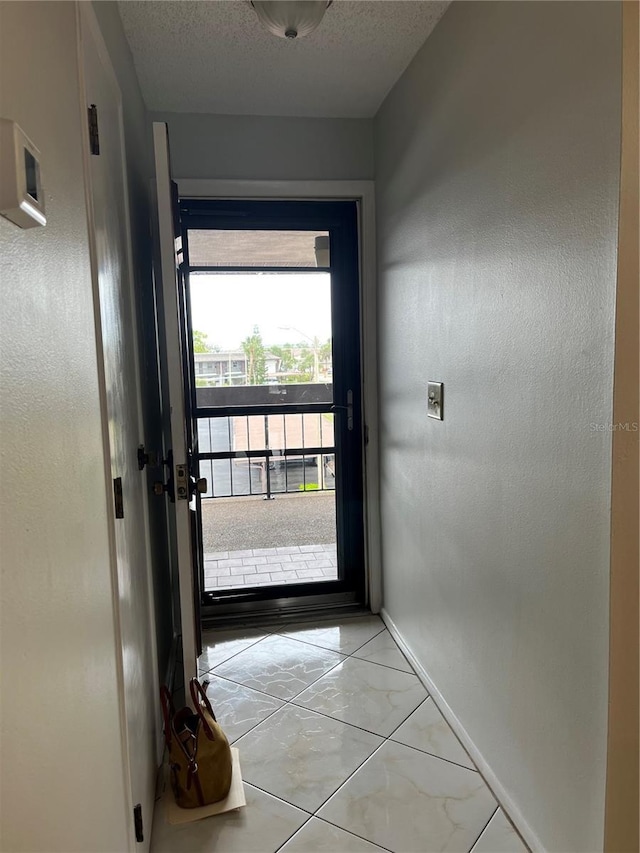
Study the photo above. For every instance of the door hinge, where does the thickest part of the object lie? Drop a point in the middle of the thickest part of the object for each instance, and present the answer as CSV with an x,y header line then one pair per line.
x,y
137,822
118,501
94,135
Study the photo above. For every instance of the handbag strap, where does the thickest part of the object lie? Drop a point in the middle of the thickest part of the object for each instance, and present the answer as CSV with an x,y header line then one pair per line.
x,y
169,716
200,698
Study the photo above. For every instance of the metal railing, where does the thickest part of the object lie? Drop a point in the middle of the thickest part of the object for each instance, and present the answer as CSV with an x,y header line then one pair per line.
x,y
266,454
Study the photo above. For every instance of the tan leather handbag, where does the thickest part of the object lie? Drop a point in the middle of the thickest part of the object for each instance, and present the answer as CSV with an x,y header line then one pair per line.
x,y
199,752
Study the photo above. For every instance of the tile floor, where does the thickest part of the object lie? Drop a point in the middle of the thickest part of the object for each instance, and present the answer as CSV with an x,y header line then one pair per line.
x,y
341,748
270,566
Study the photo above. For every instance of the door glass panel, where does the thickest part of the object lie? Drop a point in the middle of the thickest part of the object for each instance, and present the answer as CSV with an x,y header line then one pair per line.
x,y
261,338
294,249
264,338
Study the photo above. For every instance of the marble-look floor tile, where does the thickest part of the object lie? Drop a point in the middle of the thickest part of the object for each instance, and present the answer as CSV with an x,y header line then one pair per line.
x,y
318,836
499,837
383,649
238,708
262,826
218,646
203,669
407,801
303,757
342,635
279,666
426,729
365,694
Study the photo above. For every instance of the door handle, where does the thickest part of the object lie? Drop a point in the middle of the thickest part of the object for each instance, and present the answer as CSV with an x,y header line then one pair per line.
x,y
198,486
348,409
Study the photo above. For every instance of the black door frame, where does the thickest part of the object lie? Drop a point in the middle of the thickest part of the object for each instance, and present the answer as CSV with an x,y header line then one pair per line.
x,y
340,218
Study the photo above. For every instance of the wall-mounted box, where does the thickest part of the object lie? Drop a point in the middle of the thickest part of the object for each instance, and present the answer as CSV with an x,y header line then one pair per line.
x,y
21,193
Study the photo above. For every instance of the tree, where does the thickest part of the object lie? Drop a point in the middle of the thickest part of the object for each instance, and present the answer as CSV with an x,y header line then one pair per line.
x,y
200,343
326,356
306,363
255,355
286,359
314,358
303,362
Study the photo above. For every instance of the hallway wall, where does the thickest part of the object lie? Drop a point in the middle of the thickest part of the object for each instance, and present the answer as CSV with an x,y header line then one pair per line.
x,y
497,169
269,148
59,688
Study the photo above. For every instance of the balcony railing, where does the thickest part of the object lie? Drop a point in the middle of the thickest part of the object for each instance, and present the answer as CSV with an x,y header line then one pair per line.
x,y
266,454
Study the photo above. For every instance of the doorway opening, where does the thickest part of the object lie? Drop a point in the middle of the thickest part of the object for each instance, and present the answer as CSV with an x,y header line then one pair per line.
x,y
272,327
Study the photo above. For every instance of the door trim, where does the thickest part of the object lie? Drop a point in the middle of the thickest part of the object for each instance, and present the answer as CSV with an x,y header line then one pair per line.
x,y
621,798
340,220
172,363
363,192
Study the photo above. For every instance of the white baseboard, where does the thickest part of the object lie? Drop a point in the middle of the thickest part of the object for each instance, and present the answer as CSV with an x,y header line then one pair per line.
x,y
497,789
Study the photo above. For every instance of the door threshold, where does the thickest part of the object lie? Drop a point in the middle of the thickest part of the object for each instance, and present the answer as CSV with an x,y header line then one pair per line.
x,y
280,611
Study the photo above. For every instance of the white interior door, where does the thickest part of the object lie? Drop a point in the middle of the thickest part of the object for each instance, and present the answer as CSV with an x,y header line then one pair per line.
x,y
171,368
117,361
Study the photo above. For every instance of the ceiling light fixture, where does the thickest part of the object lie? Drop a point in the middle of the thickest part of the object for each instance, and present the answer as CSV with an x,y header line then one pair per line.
x,y
290,19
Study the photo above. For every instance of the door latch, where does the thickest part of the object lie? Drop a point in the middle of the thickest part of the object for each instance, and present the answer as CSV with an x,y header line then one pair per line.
x,y
160,488
182,483
183,486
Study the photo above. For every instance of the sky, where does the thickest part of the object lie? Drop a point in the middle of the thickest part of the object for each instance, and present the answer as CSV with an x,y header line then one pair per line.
x,y
227,307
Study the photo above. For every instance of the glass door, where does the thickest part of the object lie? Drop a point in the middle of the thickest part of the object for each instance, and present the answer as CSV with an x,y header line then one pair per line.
x,y
272,292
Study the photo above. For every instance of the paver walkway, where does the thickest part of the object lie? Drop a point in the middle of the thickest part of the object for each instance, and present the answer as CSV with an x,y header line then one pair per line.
x,y
270,566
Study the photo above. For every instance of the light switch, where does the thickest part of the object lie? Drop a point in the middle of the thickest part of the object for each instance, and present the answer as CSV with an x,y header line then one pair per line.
x,y
435,399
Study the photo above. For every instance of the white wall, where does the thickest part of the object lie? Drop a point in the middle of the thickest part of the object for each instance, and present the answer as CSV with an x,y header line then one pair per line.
x,y
62,775
497,161
267,148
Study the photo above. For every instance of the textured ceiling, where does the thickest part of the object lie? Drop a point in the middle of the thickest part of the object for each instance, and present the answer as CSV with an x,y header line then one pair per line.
x,y
213,56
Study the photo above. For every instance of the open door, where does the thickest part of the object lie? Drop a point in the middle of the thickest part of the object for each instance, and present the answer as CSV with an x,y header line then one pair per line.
x,y
119,390
181,486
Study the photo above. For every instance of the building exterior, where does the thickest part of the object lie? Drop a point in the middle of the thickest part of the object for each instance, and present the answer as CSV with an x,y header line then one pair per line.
x,y
229,367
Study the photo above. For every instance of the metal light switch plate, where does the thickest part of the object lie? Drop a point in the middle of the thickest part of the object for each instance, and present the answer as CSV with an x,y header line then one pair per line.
x,y
435,400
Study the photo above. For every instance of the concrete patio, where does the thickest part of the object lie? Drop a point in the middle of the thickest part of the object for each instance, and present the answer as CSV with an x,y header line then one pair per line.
x,y
249,541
